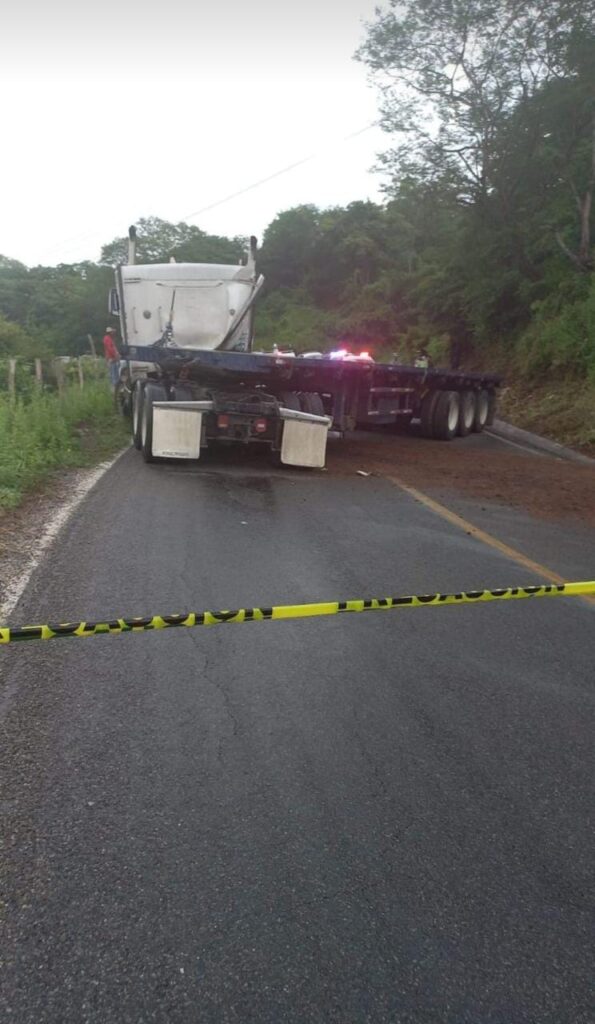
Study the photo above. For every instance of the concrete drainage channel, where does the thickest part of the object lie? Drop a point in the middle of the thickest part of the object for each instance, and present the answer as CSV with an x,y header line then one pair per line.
x,y
520,438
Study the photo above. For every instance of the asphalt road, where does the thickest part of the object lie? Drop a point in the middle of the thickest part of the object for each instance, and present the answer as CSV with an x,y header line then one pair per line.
x,y
371,818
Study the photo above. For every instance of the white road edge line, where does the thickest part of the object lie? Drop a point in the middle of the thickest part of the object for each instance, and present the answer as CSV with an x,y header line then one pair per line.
x,y
15,591
523,447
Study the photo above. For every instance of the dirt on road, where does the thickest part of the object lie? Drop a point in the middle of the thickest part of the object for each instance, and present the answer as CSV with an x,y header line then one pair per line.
x,y
481,467
478,466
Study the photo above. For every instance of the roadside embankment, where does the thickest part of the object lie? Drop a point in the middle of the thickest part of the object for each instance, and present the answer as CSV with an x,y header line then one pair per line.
x,y
45,432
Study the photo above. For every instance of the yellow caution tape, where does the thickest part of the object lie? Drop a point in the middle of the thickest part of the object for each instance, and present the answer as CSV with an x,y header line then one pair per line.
x,y
52,631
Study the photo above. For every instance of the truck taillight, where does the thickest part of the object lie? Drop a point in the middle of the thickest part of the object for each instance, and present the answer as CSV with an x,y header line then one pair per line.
x,y
223,422
260,426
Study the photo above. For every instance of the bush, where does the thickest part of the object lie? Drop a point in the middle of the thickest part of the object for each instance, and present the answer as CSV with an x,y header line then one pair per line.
x,y
14,341
43,431
286,318
562,342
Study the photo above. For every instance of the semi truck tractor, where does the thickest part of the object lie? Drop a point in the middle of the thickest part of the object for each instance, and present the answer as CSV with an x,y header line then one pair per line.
x,y
191,378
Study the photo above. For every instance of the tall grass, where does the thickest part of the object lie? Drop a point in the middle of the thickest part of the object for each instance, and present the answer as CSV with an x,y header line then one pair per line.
x,y
561,338
43,432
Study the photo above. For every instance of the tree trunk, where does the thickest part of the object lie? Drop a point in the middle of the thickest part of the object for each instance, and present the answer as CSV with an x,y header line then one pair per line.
x,y
585,210
584,252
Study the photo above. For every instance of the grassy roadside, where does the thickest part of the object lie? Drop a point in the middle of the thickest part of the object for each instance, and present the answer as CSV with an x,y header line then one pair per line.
x,y
563,410
44,433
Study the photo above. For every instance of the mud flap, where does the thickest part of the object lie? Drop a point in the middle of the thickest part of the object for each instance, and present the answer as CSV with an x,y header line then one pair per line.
x,y
177,429
304,439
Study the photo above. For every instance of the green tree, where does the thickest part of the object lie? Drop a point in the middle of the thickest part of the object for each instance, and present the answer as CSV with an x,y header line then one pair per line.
x,y
66,304
14,289
351,250
288,247
158,240
451,71
14,341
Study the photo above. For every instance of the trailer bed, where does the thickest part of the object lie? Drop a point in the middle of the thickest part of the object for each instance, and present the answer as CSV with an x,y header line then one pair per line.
x,y
356,392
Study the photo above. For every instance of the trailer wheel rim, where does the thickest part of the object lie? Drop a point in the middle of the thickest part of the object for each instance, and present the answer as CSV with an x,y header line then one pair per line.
x,y
468,411
144,423
482,409
135,412
453,415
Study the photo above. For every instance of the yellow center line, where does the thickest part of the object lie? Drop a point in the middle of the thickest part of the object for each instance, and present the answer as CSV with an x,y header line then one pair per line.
x,y
481,535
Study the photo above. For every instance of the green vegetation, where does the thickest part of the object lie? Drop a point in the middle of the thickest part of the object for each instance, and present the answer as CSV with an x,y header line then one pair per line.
x,y
56,308
563,411
159,240
44,432
14,341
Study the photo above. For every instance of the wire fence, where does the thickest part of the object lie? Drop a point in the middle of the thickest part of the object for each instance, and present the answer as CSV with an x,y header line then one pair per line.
x,y
23,378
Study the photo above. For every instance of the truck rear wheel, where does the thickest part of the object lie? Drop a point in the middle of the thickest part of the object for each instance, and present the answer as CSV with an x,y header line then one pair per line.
x,y
137,413
446,416
152,393
467,408
290,400
122,399
310,401
482,409
182,394
428,408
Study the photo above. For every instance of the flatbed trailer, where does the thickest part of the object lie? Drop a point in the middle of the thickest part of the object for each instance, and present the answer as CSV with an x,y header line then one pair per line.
x,y
237,393
192,377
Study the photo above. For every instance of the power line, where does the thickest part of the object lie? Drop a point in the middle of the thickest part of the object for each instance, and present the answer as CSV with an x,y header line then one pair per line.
x,y
271,177
255,184
77,240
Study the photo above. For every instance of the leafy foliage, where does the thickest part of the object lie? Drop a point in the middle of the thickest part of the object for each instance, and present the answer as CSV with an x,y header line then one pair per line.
x,y
43,432
14,340
56,307
451,72
289,319
158,241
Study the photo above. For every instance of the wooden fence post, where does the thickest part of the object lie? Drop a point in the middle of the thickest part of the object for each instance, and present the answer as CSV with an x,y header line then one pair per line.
x,y
12,373
92,346
79,364
38,373
59,369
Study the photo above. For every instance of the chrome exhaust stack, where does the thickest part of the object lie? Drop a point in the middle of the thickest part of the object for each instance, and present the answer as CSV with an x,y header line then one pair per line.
x,y
131,245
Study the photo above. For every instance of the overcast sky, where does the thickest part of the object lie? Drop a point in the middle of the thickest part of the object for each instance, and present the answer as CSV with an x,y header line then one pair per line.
x,y
124,109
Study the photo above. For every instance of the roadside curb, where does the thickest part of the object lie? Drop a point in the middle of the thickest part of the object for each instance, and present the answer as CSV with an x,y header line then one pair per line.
x,y
543,444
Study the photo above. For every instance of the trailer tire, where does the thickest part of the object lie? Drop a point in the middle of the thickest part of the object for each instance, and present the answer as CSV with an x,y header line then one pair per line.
x,y
137,413
311,402
182,394
446,416
123,400
152,393
468,405
428,408
491,408
482,411
290,400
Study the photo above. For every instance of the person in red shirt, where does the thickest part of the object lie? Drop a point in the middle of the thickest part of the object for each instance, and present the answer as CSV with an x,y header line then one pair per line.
x,y
112,355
